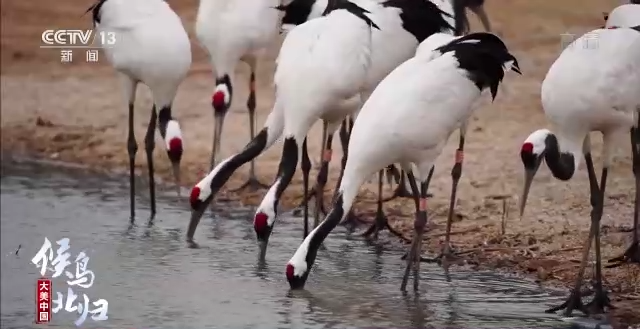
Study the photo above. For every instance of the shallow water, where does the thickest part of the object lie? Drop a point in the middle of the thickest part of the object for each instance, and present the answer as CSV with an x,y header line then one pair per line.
x,y
152,280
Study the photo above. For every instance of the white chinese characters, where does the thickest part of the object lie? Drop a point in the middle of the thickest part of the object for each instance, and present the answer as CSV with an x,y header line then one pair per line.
x,y
82,277
99,313
91,56
588,41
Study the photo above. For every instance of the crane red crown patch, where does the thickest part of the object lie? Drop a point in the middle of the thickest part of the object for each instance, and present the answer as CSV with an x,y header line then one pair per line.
x,y
194,197
218,99
289,271
260,222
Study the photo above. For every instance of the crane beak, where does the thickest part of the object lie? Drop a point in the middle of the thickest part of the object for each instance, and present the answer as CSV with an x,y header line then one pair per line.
x,y
529,173
196,215
528,179
263,247
176,176
217,134
516,68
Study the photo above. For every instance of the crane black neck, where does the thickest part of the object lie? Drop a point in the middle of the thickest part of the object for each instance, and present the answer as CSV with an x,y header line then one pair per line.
x,y
316,237
164,116
250,152
561,164
420,18
225,80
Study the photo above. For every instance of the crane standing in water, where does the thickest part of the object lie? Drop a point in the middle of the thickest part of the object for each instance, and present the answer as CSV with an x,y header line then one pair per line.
x,y
426,111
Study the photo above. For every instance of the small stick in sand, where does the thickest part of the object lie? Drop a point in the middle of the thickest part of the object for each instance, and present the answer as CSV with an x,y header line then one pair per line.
x,y
505,214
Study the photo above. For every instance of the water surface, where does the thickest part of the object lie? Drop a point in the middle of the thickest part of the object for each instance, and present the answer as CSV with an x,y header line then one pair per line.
x,y
152,280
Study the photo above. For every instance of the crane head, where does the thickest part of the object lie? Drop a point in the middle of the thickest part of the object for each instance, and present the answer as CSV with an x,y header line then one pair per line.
x,y
199,198
173,139
263,225
296,275
221,97
532,153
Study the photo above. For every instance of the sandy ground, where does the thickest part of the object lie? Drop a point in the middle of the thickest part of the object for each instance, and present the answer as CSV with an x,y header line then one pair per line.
x,y
83,119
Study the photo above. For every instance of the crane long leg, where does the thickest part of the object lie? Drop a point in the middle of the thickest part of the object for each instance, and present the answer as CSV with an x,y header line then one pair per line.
x,y
381,220
632,254
296,211
419,224
322,175
401,189
427,183
574,301
344,143
600,300
305,164
252,183
324,138
351,220
132,146
456,172
132,149
392,174
149,145
482,14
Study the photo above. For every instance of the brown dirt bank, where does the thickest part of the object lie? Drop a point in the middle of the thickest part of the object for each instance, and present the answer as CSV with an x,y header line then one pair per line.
x,y
83,119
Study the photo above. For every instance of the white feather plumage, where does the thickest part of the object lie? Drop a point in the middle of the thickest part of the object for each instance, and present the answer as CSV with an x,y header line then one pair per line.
x,y
152,47
594,88
142,51
231,29
425,113
627,15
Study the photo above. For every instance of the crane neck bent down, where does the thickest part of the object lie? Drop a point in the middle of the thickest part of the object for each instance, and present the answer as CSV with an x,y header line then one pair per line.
x,y
267,211
212,183
171,133
164,116
300,264
222,94
563,163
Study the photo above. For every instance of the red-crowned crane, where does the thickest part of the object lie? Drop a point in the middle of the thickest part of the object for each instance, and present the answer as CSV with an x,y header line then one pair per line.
x,y
403,24
589,89
408,119
233,31
151,47
477,7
